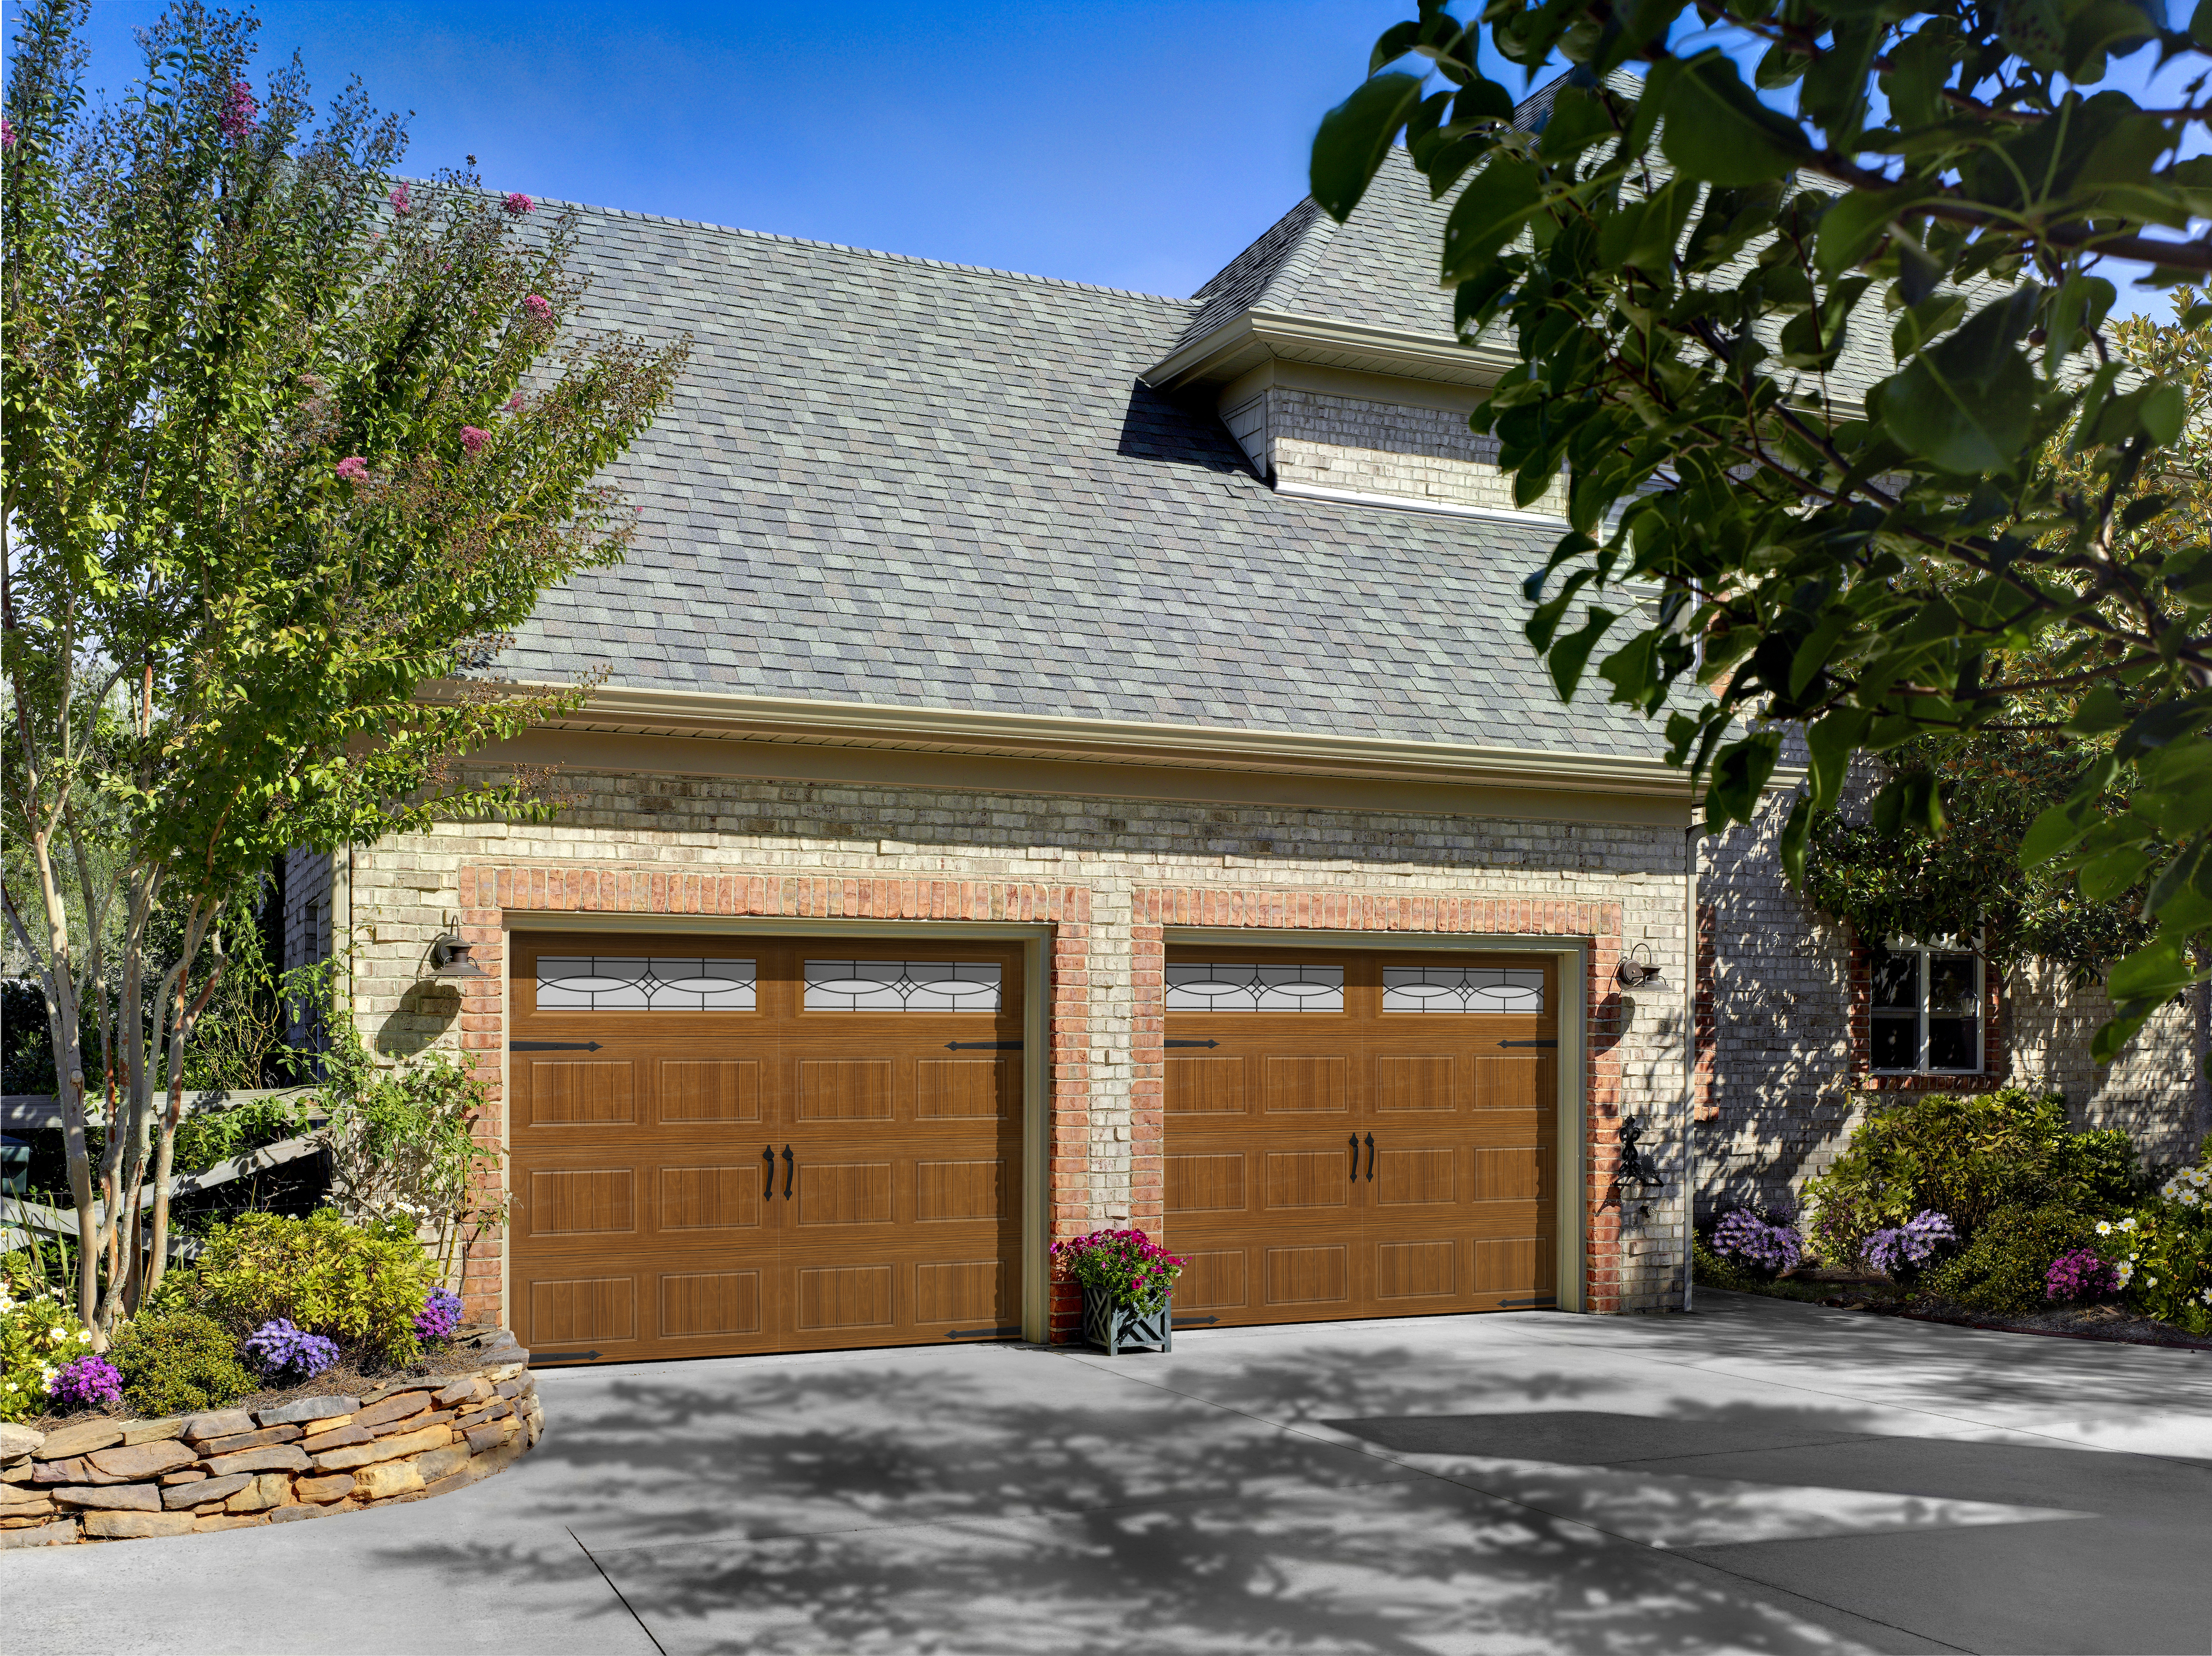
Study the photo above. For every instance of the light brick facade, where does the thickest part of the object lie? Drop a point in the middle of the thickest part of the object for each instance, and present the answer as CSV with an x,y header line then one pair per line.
x,y
1111,878
1423,455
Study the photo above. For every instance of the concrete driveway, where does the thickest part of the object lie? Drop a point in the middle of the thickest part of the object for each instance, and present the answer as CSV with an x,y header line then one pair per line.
x,y
1759,1476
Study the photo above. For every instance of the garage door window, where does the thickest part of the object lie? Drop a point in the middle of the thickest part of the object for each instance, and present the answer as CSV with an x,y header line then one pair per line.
x,y
623,983
1463,990
1215,987
902,987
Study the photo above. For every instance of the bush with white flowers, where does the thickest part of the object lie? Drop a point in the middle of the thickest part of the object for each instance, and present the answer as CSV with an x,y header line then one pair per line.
x,y
2162,1252
40,1334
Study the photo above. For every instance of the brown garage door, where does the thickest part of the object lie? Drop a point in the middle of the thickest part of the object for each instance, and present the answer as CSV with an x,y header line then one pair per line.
x,y
1360,1135
726,1145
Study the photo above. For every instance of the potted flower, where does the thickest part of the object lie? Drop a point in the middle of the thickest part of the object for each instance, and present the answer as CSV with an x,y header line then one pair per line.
x,y
1127,1282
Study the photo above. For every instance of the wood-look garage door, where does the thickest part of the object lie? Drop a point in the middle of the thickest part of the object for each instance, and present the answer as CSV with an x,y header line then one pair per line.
x,y
1360,1135
726,1145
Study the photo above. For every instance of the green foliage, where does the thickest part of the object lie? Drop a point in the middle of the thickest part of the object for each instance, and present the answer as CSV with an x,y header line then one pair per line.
x,y
39,1332
1713,1271
2163,1250
361,1287
2002,1267
207,1137
1679,260
291,446
175,1362
1966,1156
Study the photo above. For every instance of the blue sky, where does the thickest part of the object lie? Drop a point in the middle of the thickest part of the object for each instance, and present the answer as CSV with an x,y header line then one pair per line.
x,y
1138,143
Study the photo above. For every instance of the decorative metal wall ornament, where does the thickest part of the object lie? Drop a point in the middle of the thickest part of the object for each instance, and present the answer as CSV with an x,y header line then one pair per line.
x,y
632,983
1638,968
1635,1167
1462,989
902,987
1220,987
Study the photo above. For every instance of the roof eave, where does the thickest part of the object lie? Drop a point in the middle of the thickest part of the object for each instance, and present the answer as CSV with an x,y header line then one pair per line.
x,y
1245,341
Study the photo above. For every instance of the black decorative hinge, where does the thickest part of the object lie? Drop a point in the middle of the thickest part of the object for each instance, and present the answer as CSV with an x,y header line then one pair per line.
x,y
981,1333
1541,1299
983,1047
553,1046
562,1357
1190,1043
1527,1043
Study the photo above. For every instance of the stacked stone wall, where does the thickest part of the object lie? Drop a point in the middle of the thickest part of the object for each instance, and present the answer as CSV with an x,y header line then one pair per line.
x,y
1096,870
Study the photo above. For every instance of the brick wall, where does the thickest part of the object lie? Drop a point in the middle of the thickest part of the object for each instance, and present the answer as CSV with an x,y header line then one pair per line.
x,y
1107,875
1367,447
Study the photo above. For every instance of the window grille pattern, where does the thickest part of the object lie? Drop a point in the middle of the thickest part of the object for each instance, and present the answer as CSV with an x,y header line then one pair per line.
x,y
1461,988
630,983
902,987
1271,988
1926,1011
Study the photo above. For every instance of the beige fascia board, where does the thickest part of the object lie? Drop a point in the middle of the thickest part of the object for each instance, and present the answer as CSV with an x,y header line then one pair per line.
x,y
1244,341
616,710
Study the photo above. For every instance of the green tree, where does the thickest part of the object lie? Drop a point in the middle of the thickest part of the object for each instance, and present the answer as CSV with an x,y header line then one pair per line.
x,y
290,445
1683,257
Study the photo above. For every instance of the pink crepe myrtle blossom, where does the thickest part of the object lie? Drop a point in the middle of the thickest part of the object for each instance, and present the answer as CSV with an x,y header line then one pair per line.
x,y
514,403
540,308
7,134
400,205
473,438
518,204
353,468
239,109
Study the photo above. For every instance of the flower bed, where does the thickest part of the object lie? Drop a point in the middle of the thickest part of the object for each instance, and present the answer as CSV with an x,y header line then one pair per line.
x,y
408,1436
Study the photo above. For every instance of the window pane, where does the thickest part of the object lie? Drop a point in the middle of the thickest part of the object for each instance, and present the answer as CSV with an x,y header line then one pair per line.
x,y
609,983
1954,1043
1951,986
1461,988
1896,1041
1897,979
1243,988
902,987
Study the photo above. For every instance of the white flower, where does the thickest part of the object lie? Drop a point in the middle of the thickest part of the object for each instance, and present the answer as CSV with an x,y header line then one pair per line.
x,y
2103,1227
2128,1223
60,1333
2151,1281
2189,1199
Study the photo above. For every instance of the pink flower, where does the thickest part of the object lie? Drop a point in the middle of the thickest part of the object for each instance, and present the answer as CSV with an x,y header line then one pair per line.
x,y
239,110
7,134
400,205
514,403
473,438
353,468
539,308
518,204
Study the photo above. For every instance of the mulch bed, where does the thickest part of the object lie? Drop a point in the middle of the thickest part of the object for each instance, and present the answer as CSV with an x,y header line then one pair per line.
x,y
1847,1290
343,1379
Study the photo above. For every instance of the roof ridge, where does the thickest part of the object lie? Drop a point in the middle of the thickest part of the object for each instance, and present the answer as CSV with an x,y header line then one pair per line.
x,y
555,202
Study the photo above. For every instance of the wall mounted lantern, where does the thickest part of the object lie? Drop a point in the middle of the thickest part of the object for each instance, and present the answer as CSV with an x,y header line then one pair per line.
x,y
1638,968
452,958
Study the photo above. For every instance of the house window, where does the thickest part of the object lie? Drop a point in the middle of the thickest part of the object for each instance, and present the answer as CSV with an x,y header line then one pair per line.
x,y
1927,1009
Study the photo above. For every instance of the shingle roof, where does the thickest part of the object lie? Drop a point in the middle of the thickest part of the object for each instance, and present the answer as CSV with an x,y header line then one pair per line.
x,y
895,481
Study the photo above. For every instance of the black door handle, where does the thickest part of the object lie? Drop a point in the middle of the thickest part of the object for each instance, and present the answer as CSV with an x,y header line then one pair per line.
x,y
767,1185
1370,1158
787,1172
1354,1142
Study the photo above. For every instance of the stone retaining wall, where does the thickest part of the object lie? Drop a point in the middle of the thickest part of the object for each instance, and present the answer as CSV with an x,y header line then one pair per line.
x,y
113,1480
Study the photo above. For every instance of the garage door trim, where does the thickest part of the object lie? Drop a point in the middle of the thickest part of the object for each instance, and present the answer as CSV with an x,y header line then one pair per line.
x,y
1573,954
1036,1036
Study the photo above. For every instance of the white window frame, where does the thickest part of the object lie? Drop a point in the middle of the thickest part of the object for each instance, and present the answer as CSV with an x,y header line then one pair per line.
x,y
1920,1067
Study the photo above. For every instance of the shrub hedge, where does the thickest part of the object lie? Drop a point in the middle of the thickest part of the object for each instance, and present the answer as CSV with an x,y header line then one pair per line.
x,y
177,1361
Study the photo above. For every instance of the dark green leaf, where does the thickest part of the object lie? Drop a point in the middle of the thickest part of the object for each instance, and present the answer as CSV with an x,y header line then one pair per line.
x,y
1715,129
2105,877
2053,835
2157,971
1795,834
1571,653
1739,775
1355,137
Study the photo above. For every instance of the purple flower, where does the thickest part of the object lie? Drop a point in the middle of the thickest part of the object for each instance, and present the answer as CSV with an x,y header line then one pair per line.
x,y
2079,1274
353,468
518,204
440,1316
539,307
86,1383
400,205
239,110
1907,1247
278,1347
1758,1243
473,438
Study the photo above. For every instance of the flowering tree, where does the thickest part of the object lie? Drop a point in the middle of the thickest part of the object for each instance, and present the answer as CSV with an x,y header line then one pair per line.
x,y
290,444
1683,256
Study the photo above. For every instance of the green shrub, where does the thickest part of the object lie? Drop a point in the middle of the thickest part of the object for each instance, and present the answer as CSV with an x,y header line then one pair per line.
x,y
1965,1157
2163,1251
2003,1268
177,1362
1713,1271
363,1287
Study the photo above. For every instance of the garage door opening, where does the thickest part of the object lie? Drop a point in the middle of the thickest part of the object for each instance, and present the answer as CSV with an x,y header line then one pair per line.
x,y
1360,1134
723,1145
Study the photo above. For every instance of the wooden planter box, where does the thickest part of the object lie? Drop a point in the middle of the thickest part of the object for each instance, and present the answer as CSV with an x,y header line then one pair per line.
x,y
1109,1326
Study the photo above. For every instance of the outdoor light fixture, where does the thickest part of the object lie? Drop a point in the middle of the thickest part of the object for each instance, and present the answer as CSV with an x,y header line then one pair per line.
x,y
1638,968
452,958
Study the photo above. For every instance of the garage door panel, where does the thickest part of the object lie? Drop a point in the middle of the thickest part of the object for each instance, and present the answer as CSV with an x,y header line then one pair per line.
x,y
1515,1081
836,1298
1428,1269
1424,1176
582,1201
965,1089
1205,1184
1513,1174
700,1304
844,1089
597,1308
709,1090
578,1094
1416,1083
1521,1265
961,1291
844,1193
1213,1280
1317,1276
1306,1084
959,1190
1204,1086
721,1198
1307,1179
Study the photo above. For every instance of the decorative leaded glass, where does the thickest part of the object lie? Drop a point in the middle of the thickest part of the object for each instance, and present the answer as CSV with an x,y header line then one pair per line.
x,y
631,983
902,987
1271,988
1461,988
